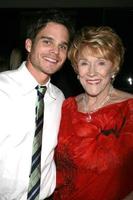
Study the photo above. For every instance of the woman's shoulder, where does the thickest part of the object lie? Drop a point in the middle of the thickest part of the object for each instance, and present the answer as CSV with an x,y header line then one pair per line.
x,y
69,102
120,96
124,95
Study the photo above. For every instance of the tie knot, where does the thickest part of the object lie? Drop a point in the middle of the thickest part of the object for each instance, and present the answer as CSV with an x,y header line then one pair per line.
x,y
41,90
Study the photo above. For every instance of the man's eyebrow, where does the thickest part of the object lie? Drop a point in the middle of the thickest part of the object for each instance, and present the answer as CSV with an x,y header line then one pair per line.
x,y
47,37
52,39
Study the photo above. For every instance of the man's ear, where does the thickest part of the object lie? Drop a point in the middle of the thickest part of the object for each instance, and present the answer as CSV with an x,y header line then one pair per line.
x,y
28,45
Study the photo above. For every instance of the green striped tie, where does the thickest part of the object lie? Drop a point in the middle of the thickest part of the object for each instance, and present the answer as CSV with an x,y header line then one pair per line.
x,y
35,174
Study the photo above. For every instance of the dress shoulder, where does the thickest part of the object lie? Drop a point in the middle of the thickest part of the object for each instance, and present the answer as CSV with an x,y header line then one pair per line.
x,y
69,103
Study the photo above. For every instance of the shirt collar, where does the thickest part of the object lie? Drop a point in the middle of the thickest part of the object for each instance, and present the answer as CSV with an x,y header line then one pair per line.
x,y
28,82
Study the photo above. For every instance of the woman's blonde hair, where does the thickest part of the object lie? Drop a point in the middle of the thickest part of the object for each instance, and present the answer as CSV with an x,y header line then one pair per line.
x,y
100,41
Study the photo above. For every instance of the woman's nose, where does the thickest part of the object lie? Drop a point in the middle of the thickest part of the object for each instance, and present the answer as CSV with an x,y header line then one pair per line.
x,y
91,70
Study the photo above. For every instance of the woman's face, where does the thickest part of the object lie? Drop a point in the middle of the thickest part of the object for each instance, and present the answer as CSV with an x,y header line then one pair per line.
x,y
94,72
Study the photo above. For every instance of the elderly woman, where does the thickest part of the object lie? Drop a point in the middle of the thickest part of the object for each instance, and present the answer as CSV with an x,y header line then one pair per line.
x,y
94,155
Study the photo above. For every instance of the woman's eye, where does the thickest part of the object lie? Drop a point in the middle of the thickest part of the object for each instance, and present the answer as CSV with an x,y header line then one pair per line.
x,y
82,63
101,63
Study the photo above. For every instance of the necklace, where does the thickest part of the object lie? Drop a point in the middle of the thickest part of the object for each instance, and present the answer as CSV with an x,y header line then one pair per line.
x,y
103,102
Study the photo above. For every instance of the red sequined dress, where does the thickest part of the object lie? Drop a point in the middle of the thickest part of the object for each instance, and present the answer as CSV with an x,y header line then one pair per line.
x,y
95,159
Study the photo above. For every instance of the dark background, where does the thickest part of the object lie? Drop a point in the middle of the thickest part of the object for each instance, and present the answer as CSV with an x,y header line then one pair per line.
x,y
15,16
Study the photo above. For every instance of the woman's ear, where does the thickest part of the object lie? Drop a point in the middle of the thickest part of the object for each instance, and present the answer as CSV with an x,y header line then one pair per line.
x,y
28,45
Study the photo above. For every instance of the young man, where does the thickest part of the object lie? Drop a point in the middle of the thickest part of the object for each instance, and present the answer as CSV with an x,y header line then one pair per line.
x,y
47,46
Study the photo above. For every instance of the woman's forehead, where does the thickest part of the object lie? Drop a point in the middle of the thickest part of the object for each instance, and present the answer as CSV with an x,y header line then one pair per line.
x,y
92,51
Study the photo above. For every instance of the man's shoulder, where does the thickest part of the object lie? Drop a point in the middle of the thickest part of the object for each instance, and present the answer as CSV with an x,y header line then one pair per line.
x,y
8,83
6,77
57,92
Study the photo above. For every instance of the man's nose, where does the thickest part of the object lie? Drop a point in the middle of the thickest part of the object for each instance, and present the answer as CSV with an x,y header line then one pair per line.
x,y
55,49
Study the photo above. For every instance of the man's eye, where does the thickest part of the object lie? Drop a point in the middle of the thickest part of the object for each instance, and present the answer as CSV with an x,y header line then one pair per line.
x,y
64,47
46,41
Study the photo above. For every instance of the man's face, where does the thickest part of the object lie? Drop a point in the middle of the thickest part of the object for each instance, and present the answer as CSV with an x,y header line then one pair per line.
x,y
49,50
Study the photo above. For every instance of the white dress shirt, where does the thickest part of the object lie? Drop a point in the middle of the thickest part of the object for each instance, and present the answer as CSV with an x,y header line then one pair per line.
x,y
17,126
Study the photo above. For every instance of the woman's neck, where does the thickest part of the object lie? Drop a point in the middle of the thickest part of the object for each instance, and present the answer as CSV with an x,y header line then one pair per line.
x,y
91,104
